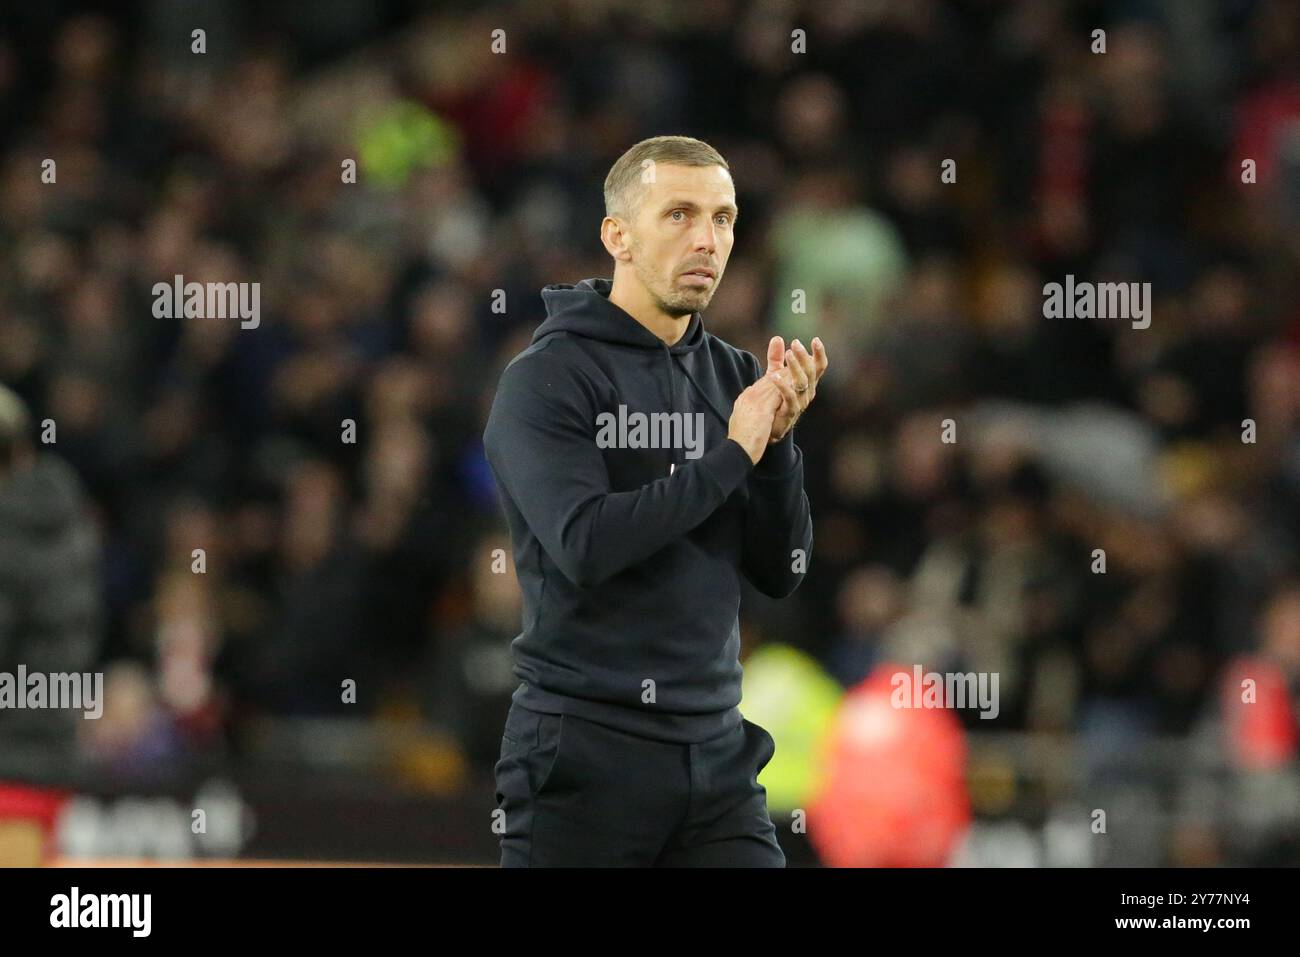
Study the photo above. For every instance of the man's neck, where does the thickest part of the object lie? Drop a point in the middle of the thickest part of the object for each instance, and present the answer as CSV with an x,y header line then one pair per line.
x,y
634,299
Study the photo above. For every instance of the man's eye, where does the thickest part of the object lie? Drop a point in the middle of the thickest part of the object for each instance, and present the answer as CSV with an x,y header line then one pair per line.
x,y
678,212
724,217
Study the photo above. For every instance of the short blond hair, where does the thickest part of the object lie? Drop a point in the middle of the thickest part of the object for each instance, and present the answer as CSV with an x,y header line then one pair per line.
x,y
624,186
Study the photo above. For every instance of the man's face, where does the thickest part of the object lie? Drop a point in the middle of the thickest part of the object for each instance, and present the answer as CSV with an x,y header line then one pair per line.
x,y
685,223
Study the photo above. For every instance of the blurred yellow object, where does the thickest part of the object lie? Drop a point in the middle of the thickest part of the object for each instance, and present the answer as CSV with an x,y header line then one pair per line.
x,y
428,761
992,784
22,843
788,694
405,138
1189,469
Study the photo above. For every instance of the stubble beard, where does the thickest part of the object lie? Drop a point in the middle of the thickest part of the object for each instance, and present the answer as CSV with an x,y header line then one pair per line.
x,y
670,299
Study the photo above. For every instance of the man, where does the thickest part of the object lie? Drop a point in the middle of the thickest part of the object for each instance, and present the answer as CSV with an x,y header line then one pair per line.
x,y
643,466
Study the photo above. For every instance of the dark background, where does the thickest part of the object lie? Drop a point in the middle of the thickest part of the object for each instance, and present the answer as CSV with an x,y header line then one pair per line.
x,y
480,175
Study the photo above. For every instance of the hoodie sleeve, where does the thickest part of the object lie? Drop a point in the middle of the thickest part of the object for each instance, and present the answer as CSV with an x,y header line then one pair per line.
x,y
541,444
778,520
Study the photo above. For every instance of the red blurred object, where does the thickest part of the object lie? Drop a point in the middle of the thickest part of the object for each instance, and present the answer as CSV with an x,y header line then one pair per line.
x,y
1264,118
1261,733
894,792
27,820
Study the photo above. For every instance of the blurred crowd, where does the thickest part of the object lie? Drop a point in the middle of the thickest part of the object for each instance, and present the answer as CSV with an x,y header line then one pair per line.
x,y
1104,529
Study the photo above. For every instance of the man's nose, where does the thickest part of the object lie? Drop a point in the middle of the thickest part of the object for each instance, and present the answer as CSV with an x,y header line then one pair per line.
x,y
705,237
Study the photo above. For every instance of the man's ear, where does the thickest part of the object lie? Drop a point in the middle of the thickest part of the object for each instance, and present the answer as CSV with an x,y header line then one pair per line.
x,y
613,235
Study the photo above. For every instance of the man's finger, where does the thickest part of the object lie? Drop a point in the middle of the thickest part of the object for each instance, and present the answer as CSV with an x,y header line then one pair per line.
x,y
805,362
775,353
795,371
820,359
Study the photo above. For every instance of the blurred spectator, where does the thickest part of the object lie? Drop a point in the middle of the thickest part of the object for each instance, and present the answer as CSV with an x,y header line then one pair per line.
x,y
50,592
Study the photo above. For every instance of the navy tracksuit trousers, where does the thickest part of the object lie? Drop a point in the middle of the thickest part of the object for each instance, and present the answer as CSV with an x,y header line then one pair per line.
x,y
580,794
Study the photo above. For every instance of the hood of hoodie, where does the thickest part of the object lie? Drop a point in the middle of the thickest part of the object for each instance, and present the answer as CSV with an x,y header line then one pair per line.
x,y
583,309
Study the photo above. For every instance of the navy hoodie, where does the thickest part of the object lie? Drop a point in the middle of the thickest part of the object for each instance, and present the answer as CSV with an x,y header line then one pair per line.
x,y
630,559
